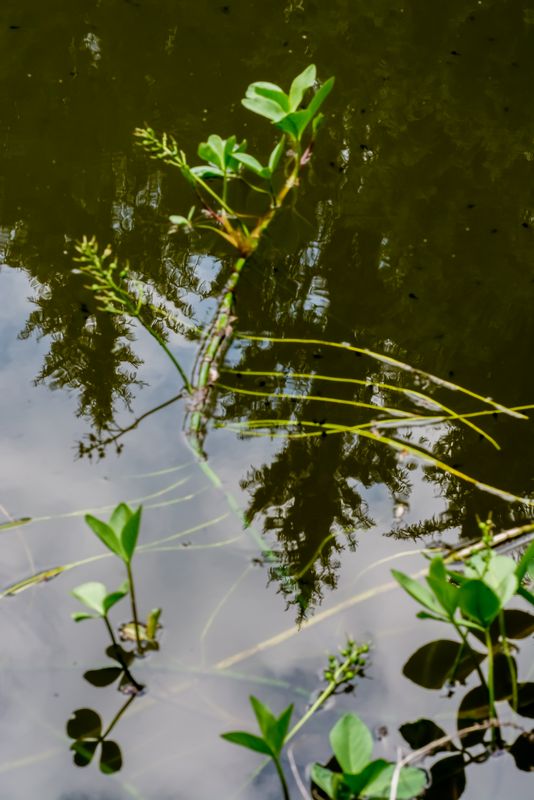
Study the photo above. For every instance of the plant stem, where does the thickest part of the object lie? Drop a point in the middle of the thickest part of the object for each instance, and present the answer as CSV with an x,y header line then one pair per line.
x,y
164,346
463,637
134,608
325,694
491,682
282,778
509,660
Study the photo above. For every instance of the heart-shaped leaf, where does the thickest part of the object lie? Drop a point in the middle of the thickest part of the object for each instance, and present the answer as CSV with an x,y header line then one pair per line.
x,y
352,743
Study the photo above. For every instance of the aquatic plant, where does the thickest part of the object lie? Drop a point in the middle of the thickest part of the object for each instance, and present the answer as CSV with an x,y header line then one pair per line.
x,y
120,536
473,602
358,775
274,731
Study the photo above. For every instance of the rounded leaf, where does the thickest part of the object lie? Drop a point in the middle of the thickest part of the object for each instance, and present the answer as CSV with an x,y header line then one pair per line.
x,y
478,602
352,743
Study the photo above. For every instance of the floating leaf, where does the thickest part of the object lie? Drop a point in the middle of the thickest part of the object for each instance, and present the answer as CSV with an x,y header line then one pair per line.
x,y
431,666
84,750
423,732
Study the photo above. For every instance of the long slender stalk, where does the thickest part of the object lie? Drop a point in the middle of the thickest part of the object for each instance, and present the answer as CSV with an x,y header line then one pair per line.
x,y
134,608
282,777
509,660
491,679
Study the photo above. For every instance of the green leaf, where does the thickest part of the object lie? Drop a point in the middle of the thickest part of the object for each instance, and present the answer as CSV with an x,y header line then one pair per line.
x,y
478,602
176,219
120,516
444,591
274,158
264,107
79,616
111,599
301,83
412,781
253,164
270,91
367,777
419,592
528,596
129,535
325,779
501,577
92,595
207,172
265,717
105,533
278,731
352,743
248,740
526,563
295,123
320,96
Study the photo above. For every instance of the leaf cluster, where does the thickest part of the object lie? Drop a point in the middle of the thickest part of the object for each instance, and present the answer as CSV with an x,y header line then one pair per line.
x,y
360,776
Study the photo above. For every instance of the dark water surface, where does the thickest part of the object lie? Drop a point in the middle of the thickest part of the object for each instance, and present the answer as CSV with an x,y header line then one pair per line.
x,y
412,234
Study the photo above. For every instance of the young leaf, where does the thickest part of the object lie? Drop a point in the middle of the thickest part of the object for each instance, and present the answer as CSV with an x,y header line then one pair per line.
x,y
120,516
207,172
271,91
418,592
79,616
320,96
412,781
326,780
248,740
264,107
478,602
301,83
129,534
274,158
369,776
278,731
253,164
111,599
444,591
352,743
92,595
176,219
105,533
265,717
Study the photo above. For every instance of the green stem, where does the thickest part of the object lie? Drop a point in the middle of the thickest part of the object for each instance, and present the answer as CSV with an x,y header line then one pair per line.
x,y
134,608
463,637
491,682
338,678
509,660
282,777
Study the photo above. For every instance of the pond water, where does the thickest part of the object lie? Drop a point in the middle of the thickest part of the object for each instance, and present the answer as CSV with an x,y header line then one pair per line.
x,y
411,235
